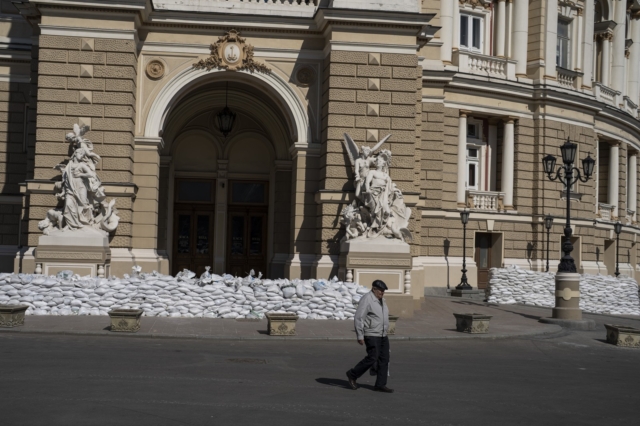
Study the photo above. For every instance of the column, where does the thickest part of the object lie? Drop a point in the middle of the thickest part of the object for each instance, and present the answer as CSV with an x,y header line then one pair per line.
x,y
614,173
493,155
606,59
632,186
456,25
500,28
462,159
220,229
618,59
588,56
508,28
446,32
551,34
577,64
508,162
519,44
634,61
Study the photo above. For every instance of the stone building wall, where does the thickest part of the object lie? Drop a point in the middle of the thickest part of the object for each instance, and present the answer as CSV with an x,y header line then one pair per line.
x,y
92,82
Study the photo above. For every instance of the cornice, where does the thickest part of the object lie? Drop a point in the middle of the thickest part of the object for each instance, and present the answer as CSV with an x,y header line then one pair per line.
x,y
111,5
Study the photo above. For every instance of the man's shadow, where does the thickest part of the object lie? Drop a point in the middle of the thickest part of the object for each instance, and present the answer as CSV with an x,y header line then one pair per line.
x,y
339,383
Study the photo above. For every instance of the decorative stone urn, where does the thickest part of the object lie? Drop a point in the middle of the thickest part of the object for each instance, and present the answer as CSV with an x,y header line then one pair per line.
x,y
12,315
281,324
392,324
622,335
472,323
125,320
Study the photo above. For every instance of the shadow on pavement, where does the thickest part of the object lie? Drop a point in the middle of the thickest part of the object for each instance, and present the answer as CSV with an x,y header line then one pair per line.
x,y
339,383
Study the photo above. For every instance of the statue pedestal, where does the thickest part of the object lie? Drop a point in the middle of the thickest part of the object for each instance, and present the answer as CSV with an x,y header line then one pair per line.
x,y
84,251
365,260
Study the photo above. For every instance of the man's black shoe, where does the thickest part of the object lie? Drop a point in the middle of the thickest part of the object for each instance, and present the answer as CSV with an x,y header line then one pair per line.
x,y
383,389
352,382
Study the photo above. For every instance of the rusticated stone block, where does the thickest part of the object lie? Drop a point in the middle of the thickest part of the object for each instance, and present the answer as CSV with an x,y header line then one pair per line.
x,y
340,120
113,124
113,98
86,83
121,86
347,82
373,122
346,108
51,108
117,111
53,148
59,42
397,111
342,69
403,123
56,122
404,98
374,97
117,164
113,150
374,71
52,82
114,45
406,73
50,135
348,57
50,68
122,59
108,71
342,95
401,60
399,86
85,110
118,138
83,57
47,55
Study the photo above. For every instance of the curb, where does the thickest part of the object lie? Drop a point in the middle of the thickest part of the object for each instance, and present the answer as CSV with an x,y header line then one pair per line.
x,y
548,331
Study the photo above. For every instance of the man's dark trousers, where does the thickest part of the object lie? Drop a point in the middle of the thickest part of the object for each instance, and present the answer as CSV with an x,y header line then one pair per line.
x,y
377,351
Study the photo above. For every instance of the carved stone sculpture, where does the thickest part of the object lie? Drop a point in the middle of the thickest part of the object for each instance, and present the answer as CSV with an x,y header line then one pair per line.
x,y
80,190
378,208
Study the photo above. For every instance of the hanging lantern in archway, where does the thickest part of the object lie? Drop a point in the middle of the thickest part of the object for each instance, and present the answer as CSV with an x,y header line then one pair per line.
x,y
226,117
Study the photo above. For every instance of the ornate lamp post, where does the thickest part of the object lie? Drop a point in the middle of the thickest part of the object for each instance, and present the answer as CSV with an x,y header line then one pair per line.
x,y
464,285
617,228
567,307
548,223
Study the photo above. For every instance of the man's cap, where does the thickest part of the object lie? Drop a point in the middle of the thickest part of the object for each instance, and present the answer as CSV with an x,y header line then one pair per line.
x,y
379,284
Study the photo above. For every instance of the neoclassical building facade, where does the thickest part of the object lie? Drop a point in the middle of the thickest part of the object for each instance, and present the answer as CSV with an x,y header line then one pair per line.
x,y
473,92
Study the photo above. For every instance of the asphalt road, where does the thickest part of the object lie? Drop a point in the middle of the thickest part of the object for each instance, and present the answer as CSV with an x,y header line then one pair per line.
x,y
571,379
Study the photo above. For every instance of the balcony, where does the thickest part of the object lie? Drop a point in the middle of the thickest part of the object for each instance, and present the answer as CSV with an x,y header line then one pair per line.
x,y
569,79
607,95
630,107
606,211
294,8
487,66
485,201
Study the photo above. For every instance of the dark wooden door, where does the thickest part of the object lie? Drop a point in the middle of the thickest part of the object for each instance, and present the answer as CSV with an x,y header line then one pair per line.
x,y
193,240
247,241
193,224
483,258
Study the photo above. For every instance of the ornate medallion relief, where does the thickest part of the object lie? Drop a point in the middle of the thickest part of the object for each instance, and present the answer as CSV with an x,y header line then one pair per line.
x,y
305,76
231,53
155,69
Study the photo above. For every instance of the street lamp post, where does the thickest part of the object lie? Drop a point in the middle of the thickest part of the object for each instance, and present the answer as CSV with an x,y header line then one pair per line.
x,y
548,223
567,308
617,228
464,285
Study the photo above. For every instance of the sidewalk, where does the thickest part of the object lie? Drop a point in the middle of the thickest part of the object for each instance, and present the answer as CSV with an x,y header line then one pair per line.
x,y
434,321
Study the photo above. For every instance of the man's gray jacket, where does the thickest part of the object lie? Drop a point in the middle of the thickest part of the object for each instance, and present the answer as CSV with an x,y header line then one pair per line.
x,y
372,318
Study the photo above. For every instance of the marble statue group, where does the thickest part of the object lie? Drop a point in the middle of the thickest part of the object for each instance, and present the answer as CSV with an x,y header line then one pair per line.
x,y
80,190
378,208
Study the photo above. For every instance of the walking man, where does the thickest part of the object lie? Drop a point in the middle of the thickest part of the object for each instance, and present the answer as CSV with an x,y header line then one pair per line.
x,y
372,325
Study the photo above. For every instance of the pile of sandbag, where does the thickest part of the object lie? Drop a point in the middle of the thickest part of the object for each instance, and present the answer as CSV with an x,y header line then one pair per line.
x,y
210,296
598,293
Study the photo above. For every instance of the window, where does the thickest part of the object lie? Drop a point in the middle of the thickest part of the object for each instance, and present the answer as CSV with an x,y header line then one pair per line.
x,y
471,32
473,167
563,48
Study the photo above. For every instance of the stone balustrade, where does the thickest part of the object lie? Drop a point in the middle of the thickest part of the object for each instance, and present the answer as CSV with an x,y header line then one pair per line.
x,y
628,219
567,78
485,201
606,94
490,66
296,8
630,107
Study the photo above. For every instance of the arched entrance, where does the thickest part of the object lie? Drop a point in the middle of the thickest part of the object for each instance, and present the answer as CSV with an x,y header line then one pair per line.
x,y
225,202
